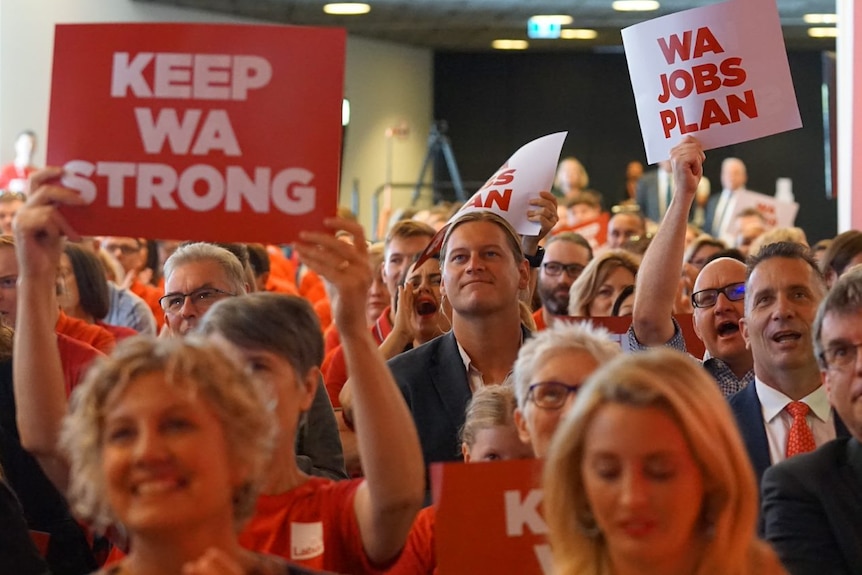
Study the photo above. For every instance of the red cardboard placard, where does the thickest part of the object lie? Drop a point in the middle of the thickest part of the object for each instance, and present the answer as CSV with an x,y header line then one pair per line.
x,y
204,132
489,518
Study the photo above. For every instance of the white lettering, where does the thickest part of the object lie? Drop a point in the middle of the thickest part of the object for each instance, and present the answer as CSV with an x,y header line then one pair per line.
x,y
249,72
77,174
125,75
216,134
289,197
545,558
214,193
116,172
199,187
173,76
212,77
188,76
524,513
167,125
240,186
156,182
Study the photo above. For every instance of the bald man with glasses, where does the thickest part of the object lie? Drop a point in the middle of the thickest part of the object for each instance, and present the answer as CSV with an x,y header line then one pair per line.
x,y
718,293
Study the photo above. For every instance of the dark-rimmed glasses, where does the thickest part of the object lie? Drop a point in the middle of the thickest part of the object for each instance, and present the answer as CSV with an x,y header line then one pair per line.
x,y
708,297
556,268
550,394
201,299
840,355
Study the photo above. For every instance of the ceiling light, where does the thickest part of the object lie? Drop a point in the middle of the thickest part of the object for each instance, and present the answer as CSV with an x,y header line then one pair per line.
x,y
504,44
820,18
635,5
823,32
347,8
561,19
578,34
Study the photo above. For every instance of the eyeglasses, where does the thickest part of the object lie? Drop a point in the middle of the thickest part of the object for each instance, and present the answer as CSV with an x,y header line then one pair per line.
x,y
840,355
550,394
201,299
556,268
708,297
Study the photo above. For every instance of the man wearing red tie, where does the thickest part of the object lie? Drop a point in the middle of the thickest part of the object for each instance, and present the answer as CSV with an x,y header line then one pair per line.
x,y
787,410
812,504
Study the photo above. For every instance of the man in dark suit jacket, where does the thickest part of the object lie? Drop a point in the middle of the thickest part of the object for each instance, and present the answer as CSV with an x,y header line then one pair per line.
x,y
812,504
782,291
653,192
483,269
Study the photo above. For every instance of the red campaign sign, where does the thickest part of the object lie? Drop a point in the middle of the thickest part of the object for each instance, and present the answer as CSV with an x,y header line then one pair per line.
x,y
488,518
200,132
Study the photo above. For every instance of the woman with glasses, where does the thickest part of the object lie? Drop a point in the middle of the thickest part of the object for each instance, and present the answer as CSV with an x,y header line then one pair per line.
x,y
648,475
551,367
597,288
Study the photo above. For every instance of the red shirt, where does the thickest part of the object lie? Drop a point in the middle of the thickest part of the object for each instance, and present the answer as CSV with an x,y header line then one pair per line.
x,y
418,556
334,367
11,172
91,334
313,525
75,356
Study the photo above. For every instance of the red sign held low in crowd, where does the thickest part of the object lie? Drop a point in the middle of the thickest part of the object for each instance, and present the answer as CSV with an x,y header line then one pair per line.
x,y
206,132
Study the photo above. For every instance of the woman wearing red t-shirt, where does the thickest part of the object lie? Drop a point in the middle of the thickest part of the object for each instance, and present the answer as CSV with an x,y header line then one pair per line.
x,y
357,526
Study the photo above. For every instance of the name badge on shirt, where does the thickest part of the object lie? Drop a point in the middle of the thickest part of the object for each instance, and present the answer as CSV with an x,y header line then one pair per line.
x,y
306,540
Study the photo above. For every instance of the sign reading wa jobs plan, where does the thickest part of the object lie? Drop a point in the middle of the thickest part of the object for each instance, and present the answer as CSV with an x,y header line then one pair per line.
x,y
204,132
718,73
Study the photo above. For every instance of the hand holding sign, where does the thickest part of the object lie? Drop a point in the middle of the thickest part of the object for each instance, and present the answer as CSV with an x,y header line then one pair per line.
x,y
720,71
228,133
523,181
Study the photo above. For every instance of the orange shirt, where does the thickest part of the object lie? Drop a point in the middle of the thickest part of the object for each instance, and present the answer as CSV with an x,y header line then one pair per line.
x,y
539,318
151,295
89,333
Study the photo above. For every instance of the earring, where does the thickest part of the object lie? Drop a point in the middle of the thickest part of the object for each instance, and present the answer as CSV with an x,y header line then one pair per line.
x,y
587,524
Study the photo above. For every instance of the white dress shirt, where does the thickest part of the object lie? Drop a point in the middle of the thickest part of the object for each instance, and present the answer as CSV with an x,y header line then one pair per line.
x,y
777,420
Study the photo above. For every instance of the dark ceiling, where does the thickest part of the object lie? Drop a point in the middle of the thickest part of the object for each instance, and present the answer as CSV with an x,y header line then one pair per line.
x,y
471,25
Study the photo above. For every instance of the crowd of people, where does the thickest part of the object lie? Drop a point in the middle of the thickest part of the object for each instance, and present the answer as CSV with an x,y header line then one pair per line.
x,y
199,408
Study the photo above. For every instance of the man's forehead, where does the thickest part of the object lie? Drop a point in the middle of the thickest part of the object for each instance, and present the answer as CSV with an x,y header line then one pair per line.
x,y
624,221
719,273
563,250
408,246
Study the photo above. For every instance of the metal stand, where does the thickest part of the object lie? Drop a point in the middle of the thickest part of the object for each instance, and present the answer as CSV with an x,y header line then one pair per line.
x,y
438,143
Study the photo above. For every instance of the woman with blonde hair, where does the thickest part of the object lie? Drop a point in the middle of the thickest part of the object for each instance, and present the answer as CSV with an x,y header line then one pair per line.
x,y
593,294
170,439
648,475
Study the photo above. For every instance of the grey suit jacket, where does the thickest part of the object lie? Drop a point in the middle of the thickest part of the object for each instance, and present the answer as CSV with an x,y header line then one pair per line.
x,y
646,196
812,509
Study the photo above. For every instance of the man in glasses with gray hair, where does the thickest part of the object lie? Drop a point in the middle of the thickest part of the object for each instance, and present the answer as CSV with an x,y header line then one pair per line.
x,y
717,297
812,503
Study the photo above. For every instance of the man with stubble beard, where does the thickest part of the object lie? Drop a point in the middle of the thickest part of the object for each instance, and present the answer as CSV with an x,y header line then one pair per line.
x,y
566,256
